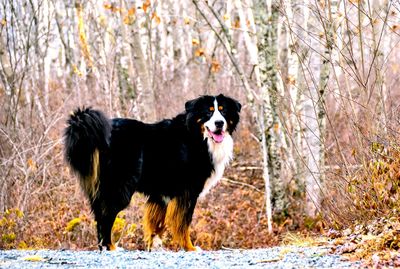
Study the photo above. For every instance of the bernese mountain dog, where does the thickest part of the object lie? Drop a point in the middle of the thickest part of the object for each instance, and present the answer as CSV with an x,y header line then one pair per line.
x,y
173,162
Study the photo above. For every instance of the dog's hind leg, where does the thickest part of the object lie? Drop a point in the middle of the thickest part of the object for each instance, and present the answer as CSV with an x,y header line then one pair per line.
x,y
105,221
178,219
105,216
153,221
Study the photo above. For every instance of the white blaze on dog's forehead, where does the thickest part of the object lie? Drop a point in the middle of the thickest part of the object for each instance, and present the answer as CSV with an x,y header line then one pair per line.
x,y
217,116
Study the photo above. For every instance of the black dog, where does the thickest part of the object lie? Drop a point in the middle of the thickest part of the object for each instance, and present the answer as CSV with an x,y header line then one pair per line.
x,y
173,162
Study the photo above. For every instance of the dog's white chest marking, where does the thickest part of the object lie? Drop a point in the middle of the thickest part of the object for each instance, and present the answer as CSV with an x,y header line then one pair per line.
x,y
221,154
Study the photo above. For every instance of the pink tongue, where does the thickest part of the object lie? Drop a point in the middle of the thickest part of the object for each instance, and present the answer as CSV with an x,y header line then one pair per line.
x,y
218,137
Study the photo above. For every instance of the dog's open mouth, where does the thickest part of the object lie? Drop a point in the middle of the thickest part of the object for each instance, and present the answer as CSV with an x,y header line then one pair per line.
x,y
217,136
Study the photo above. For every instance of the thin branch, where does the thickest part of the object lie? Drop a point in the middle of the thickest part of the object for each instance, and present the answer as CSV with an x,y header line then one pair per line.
x,y
235,182
252,94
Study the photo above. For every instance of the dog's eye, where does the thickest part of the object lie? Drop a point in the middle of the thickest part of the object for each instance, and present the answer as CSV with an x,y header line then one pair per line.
x,y
220,108
212,108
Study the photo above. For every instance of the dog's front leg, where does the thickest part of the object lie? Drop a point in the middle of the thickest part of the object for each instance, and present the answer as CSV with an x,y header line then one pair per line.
x,y
153,222
178,219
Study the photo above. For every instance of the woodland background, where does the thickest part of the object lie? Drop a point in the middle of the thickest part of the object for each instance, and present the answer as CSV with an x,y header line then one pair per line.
x,y
317,147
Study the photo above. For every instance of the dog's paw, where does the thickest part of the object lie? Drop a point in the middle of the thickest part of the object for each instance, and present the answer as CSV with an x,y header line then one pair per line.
x,y
193,248
157,244
109,247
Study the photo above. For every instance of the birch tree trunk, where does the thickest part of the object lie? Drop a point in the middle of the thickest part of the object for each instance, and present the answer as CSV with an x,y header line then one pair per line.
x,y
146,97
290,56
270,79
314,103
7,78
267,78
87,59
380,48
328,60
263,21
262,106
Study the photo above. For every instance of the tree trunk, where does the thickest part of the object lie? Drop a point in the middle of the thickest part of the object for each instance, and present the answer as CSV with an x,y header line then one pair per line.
x,y
146,98
270,79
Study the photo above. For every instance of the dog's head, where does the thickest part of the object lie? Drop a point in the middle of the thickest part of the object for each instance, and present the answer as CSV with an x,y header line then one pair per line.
x,y
213,116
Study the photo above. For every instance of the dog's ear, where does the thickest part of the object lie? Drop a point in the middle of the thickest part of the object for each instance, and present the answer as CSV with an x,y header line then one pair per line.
x,y
232,101
237,105
189,105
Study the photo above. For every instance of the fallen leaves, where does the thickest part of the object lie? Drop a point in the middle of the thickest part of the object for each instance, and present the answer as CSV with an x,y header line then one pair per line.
x,y
377,243
34,258
72,224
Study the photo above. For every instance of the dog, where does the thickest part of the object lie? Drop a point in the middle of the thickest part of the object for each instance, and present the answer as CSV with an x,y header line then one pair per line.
x,y
173,162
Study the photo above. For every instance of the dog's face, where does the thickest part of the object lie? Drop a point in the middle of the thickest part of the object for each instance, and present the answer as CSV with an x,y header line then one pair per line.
x,y
214,116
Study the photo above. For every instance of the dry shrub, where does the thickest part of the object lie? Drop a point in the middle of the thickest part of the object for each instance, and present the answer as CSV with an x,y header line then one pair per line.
x,y
371,190
365,204
8,223
374,190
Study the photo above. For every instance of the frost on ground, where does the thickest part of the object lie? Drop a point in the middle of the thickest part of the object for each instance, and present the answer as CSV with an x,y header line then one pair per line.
x,y
278,257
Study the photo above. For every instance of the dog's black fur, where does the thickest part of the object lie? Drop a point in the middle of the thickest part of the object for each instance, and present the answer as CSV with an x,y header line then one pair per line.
x,y
168,161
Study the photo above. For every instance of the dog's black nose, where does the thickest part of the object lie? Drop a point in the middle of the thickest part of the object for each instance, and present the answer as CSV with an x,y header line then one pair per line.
x,y
219,124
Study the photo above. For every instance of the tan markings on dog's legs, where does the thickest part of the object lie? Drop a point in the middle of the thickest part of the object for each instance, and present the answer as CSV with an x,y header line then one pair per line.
x,y
175,220
111,247
153,222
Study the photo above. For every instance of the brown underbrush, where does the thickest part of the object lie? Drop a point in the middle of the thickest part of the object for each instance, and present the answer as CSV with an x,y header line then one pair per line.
x,y
365,221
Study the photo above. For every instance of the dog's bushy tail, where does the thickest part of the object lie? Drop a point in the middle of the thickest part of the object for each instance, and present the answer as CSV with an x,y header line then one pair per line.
x,y
86,136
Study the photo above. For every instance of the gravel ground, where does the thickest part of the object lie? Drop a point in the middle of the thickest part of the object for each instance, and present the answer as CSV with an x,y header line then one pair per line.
x,y
278,257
